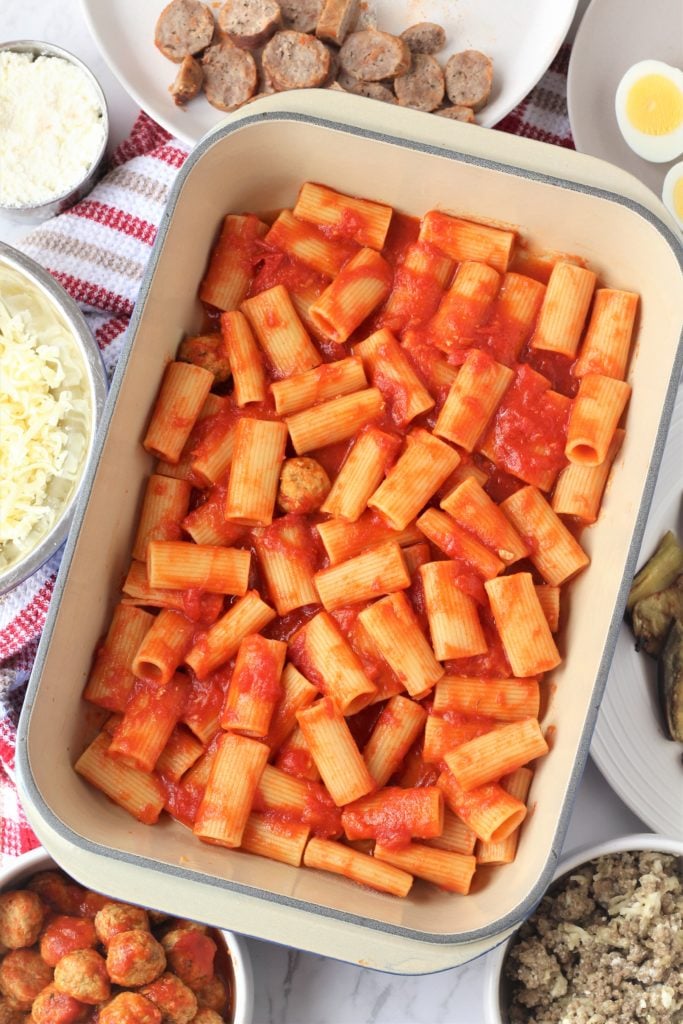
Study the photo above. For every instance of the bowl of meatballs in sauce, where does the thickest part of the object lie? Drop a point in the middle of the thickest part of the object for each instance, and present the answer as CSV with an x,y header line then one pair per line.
x,y
70,955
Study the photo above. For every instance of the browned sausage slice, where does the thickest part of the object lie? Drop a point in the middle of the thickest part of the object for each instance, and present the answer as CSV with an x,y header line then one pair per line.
x,y
465,114
183,28
425,37
294,60
374,90
187,82
371,56
230,76
301,15
336,20
468,79
249,23
422,86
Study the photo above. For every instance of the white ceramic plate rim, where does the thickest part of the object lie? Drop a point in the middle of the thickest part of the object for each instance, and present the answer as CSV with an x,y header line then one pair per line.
x,y
612,36
628,746
521,38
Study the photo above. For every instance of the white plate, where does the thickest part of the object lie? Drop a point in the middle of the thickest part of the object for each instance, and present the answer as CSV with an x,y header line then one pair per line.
x,y
522,38
629,746
612,36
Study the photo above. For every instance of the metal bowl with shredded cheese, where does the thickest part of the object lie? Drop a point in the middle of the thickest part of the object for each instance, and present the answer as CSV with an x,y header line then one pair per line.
x,y
52,391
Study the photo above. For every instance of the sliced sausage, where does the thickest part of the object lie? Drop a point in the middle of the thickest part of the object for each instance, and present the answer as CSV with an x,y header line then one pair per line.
x,y
336,20
187,82
469,76
425,37
301,15
230,76
422,86
294,60
373,90
334,68
457,114
249,23
183,28
371,55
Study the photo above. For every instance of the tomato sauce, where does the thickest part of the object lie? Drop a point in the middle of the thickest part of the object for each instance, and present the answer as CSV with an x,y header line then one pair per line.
x,y
65,934
492,664
321,813
529,432
296,761
276,267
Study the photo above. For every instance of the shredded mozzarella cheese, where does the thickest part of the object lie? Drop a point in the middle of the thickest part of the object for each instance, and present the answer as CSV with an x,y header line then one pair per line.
x,y
44,415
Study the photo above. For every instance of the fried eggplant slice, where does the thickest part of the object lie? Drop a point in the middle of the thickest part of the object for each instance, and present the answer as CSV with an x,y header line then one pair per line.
x,y
659,572
653,615
670,681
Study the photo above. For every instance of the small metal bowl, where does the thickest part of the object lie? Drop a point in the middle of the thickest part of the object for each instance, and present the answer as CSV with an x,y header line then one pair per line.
x,y
58,203
65,309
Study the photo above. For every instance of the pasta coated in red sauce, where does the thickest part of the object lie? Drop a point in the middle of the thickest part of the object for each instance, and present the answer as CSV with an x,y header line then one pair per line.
x,y
449,303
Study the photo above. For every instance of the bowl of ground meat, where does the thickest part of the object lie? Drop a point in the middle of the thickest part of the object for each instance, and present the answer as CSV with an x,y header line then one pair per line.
x,y
603,946
67,953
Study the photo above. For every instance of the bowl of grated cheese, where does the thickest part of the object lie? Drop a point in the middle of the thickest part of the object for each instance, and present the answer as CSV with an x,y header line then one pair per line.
x,y
52,392
54,128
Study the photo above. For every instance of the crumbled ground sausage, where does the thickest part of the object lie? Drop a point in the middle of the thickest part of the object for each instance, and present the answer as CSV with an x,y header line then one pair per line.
x,y
605,946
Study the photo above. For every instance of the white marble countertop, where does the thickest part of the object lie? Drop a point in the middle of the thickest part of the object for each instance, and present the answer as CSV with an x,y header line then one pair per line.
x,y
293,987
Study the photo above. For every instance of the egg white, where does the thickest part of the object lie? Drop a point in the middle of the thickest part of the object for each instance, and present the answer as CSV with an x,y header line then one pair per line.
x,y
656,148
673,183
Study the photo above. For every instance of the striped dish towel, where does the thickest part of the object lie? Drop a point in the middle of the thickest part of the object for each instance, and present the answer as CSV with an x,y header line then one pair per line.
x,y
98,251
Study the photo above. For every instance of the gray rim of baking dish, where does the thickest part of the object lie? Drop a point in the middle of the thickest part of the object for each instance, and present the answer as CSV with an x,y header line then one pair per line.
x,y
526,906
70,312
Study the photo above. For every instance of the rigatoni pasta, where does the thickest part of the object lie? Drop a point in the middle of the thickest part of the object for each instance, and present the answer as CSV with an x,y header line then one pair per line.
x,y
332,642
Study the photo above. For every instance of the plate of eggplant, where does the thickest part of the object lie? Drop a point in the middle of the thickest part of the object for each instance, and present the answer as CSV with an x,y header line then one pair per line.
x,y
638,738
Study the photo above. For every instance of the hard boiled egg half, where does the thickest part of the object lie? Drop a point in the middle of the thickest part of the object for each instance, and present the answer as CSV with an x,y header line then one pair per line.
x,y
649,109
672,192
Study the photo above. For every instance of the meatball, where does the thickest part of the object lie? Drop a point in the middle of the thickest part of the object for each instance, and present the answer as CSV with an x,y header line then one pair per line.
x,y
21,918
119,917
54,1007
304,485
91,903
208,351
8,1014
181,924
129,1008
157,917
23,974
190,955
177,1002
63,935
207,1017
213,995
58,891
135,958
83,975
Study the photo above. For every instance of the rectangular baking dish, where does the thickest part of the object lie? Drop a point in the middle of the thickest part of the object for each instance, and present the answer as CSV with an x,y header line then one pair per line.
x,y
256,161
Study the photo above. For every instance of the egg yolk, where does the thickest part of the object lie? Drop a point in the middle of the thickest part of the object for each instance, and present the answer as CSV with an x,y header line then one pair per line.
x,y
678,199
655,105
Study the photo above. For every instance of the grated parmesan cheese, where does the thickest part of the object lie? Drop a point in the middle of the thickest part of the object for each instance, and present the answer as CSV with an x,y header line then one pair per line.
x,y
51,127
45,415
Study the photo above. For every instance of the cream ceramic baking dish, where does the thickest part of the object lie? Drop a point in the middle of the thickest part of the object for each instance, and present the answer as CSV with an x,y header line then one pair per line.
x,y
256,161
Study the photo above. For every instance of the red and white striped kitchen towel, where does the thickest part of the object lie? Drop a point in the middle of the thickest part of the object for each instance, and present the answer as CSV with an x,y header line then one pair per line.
x,y
98,251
